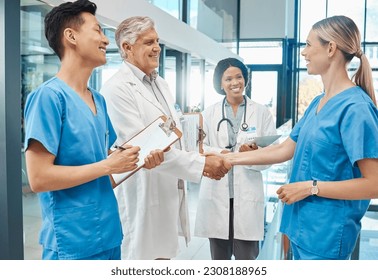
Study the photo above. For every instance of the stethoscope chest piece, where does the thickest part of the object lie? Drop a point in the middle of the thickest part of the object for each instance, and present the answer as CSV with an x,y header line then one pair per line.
x,y
244,126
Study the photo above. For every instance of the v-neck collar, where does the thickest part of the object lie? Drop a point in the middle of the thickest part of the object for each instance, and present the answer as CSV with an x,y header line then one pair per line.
x,y
94,114
330,101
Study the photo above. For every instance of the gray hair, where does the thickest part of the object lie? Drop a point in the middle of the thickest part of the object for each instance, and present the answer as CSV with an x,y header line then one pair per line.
x,y
129,30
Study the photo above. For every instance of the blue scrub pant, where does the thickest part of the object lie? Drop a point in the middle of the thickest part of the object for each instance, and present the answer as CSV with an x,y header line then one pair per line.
x,y
111,254
300,254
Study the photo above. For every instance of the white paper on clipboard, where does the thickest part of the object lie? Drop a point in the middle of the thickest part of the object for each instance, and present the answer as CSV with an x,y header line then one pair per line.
x,y
160,134
192,129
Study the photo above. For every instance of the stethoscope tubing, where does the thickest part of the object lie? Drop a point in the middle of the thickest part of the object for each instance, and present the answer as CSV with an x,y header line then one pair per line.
x,y
243,126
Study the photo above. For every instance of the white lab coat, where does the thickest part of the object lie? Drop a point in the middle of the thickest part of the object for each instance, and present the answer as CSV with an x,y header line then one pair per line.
x,y
149,200
212,218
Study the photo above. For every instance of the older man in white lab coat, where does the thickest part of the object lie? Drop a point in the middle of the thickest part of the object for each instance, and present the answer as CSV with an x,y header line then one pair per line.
x,y
149,201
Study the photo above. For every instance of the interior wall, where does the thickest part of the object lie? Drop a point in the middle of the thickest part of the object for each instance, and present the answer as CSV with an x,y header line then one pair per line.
x,y
262,19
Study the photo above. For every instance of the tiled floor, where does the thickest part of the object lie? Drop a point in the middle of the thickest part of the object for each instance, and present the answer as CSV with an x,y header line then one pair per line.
x,y
32,224
369,236
198,248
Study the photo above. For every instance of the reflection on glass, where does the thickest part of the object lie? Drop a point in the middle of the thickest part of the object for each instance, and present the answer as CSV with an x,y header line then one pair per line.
x,y
216,19
302,61
170,74
195,87
309,87
211,96
264,89
193,13
38,64
262,52
350,8
311,12
113,63
371,21
172,7
375,82
371,51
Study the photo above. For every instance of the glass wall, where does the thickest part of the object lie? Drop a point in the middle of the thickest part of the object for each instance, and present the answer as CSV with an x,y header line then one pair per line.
x,y
371,30
170,65
261,52
265,61
310,12
196,88
211,96
217,19
38,63
172,7
264,89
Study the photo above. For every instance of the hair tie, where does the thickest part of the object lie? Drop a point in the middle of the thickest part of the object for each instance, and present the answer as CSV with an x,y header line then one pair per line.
x,y
359,53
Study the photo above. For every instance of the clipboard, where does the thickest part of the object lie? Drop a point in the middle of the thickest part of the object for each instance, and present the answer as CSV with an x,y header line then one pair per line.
x,y
160,134
192,129
263,141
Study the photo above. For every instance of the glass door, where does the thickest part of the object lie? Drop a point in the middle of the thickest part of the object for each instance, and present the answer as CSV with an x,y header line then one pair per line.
x,y
263,86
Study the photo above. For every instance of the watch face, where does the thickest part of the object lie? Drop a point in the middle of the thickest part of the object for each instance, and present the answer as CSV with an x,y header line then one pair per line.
x,y
314,190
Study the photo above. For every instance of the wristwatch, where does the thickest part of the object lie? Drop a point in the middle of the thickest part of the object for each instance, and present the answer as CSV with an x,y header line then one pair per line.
x,y
314,188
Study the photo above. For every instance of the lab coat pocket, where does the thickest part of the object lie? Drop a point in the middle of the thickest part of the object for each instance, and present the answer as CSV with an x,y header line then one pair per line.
x,y
72,239
206,189
250,184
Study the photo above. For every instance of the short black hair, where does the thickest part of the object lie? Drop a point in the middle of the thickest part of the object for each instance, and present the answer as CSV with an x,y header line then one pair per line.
x,y
65,15
222,66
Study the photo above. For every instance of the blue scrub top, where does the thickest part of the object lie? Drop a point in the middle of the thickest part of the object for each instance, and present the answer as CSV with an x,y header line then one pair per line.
x,y
329,144
80,221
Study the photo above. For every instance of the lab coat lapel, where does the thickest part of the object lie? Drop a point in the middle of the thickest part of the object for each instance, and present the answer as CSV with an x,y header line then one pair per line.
x,y
141,88
184,226
163,87
249,112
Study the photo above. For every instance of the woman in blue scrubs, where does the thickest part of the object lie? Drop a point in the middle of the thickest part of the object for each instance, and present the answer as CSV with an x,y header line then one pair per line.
x,y
67,138
333,146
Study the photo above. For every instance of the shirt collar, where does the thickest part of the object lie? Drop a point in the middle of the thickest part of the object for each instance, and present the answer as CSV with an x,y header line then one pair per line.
x,y
136,71
140,74
240,105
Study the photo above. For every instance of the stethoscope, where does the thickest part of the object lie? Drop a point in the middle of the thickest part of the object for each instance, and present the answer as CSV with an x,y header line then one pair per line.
x,y
243,126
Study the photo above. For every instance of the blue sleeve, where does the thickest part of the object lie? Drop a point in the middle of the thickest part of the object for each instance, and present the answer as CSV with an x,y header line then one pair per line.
x,y
359,131
43,119
297,127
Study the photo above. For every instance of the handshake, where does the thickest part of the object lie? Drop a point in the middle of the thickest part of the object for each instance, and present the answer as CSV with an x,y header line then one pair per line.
x,y
216,167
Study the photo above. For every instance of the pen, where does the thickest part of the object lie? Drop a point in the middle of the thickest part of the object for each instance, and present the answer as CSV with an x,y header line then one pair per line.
x,y
119,147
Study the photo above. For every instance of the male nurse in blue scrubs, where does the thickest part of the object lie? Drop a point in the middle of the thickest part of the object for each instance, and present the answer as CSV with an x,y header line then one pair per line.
x,y
67,139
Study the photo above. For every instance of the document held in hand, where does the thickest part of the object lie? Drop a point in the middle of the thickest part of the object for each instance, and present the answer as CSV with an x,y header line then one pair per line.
x,y
160,134
192,129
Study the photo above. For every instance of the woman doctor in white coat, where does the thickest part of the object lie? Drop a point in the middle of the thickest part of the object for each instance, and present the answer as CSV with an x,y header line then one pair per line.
x,y
231,211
